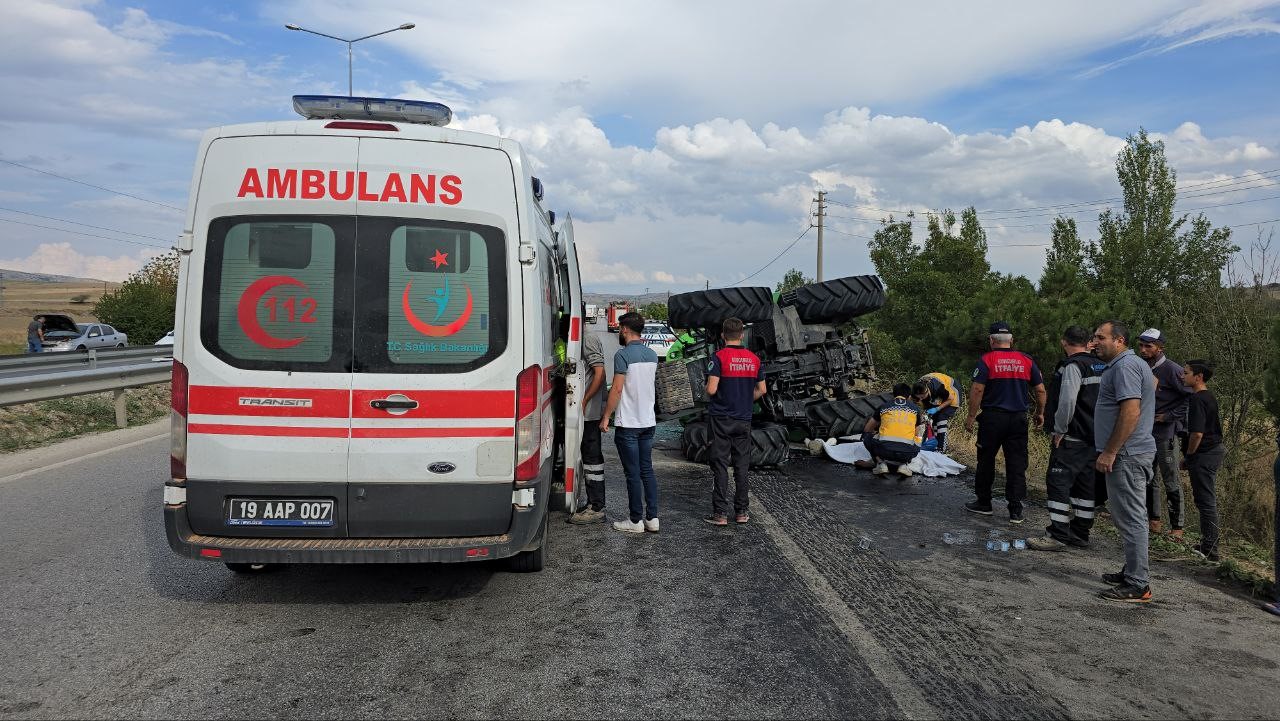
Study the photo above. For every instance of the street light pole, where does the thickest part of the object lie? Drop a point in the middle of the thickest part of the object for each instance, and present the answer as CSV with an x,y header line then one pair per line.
x,y
405,26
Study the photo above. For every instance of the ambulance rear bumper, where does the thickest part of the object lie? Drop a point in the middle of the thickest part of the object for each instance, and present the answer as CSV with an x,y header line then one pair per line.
x,y
525,533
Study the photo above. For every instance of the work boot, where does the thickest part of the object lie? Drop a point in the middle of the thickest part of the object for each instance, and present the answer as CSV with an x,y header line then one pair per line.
x,y
1046,543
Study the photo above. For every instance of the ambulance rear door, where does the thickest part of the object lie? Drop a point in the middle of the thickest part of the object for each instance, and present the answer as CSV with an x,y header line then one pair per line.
x,y
266,339
576,371
437,351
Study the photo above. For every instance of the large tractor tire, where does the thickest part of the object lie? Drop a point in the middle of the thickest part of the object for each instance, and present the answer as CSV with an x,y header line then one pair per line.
x,y
848,417
769,446
695,441
709,308
836,301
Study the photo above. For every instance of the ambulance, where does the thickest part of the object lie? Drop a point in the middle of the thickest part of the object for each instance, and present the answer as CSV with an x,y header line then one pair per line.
x,y
377,334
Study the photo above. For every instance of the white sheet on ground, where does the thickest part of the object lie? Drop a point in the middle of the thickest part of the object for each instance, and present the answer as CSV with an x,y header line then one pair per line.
x,y
926,463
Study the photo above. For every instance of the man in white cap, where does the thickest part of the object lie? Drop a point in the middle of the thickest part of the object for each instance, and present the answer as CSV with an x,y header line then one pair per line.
x,y
1171,414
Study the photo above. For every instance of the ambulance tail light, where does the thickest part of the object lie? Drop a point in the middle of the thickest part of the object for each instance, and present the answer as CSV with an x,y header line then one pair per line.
x,y
178,423
528,423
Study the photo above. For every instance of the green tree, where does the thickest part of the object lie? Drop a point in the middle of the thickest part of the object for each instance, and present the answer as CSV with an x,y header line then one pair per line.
x,y
1143,254
654,311
143,305
792,279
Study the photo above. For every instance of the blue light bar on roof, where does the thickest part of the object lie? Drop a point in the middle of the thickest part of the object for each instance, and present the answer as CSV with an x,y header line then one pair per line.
x,y
325,107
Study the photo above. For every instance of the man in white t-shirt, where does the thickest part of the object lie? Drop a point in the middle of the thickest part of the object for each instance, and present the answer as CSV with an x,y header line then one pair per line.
x,y
635,367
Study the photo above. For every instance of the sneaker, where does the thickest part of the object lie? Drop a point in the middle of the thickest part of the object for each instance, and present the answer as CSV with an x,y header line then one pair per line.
x,y
742,518
1115,579
1015,517
881,469
904,470
1046,543
975,507
628,526
587,515
651,525
1198,551
1128,593
716,520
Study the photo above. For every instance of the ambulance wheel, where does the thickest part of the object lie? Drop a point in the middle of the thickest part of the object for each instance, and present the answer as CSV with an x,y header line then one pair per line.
x,y
695,442
848,417
709,308
836,301
769,446
531,561
249,568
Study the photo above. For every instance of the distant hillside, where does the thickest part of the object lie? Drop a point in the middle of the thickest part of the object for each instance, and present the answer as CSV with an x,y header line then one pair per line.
x,y
22,275
641,298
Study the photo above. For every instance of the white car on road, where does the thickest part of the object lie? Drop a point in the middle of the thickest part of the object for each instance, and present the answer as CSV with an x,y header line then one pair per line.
x,y
659,337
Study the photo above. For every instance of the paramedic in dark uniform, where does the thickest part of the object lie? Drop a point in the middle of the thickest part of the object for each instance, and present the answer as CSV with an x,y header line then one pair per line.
x,y
735,381
1073,392
998,401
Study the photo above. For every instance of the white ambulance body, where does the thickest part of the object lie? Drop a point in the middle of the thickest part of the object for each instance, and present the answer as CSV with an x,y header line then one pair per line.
x,y
366,367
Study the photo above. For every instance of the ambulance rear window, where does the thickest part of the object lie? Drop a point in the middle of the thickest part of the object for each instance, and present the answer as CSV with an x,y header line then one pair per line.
x,y
438,304
269,290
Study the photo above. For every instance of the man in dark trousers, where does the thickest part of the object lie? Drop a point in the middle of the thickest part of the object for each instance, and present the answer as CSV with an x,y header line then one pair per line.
x,y
1171,412
998,401
1073,392
1204,453
735,381
592,410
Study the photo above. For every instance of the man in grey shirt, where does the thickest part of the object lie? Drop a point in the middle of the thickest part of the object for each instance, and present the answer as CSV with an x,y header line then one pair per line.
x,y
592,410
1123,420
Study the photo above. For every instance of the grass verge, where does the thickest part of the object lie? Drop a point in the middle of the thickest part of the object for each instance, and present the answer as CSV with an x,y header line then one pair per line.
x,y
32,425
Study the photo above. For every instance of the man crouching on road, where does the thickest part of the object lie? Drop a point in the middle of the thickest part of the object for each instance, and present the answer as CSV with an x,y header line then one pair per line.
x,y
1073,393
735,381
898,427
1122,423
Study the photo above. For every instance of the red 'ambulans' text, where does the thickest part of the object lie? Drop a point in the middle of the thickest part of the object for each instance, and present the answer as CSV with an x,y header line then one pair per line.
x,y
345,185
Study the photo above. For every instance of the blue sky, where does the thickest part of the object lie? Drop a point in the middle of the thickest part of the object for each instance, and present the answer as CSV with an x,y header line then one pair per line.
x,y
687,139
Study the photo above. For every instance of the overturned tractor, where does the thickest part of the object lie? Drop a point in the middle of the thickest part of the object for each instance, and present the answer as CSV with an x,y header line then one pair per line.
x,y
816,362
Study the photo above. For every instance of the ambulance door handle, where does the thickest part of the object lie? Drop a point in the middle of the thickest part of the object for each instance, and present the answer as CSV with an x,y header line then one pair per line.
x,y
388,404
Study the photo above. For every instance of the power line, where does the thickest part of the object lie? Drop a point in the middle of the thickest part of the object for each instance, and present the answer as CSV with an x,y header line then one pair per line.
x,y
87,235
790,245
91,185
86,225
1090,205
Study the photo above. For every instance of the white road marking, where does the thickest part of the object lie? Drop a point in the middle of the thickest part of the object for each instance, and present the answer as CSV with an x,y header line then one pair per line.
x,y
879,660
81,459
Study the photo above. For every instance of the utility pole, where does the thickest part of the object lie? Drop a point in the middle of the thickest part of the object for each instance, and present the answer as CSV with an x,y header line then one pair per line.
x,y
822,211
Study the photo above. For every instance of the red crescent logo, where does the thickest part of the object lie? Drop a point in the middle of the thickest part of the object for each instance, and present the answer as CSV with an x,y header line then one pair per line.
x,y
435,331
247,312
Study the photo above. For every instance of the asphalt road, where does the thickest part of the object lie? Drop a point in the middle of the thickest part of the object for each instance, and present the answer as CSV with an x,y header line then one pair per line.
x,y
840,599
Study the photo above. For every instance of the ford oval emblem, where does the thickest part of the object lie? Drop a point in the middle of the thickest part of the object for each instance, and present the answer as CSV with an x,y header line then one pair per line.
x,y
442,467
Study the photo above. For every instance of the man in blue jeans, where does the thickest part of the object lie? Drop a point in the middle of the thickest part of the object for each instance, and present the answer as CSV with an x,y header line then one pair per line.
x,y
632,398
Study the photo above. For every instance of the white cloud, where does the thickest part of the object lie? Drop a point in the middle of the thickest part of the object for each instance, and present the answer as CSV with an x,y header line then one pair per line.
x,y
62,259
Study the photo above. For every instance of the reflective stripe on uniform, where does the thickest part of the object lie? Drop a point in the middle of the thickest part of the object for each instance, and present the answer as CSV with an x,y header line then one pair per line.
x,y
1058,505
1082,503
1060,518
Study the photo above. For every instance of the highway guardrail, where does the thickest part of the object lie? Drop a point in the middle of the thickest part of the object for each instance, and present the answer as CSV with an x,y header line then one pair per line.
x,y
45,376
